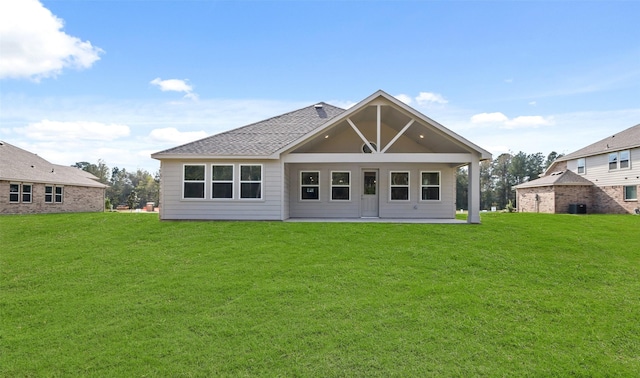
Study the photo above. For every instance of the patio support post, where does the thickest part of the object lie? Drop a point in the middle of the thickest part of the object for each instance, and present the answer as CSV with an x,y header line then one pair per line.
x,y
474,190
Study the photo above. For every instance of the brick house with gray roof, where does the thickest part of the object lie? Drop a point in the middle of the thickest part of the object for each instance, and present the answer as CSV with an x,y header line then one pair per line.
x,y
603,177
31,184
377,159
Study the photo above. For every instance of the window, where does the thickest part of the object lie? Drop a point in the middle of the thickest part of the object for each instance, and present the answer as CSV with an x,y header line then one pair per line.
x,y
613,160
309,186
340,186
619,160
59,192
14,192
53,194
222,181
251,181
193,181
631,193
366,148
399,186
430,186
48,194
582,166
26,193
624,159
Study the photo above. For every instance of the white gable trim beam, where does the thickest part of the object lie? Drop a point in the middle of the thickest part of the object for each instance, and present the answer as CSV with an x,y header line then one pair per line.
x,y
398,135
355,128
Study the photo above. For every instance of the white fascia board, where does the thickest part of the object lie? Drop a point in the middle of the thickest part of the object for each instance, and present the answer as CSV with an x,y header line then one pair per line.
x,y
215,157
457,158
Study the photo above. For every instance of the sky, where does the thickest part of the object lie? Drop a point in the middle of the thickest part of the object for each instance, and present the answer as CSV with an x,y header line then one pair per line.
x,y
119,80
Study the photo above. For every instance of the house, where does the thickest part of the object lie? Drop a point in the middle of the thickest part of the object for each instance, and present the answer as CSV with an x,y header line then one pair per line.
x,y
602,177
30,184
377,159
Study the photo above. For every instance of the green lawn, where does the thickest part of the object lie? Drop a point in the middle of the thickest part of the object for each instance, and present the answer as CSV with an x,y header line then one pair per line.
x,y
126,295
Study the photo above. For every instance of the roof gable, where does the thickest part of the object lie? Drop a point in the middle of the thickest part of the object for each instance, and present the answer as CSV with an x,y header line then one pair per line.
x,y
384,124
17,164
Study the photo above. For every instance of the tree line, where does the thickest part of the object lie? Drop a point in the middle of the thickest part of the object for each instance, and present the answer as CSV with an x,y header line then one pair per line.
x,y
133,189
499,176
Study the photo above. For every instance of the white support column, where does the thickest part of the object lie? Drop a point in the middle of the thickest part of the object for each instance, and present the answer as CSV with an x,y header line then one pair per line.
x,y
474,190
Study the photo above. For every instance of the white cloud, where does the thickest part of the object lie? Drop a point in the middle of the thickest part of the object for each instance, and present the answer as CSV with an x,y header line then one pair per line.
x,y
172,135
46,130
533,103
425,98
528,121
404,98
489,118
175,85
515,123
34,46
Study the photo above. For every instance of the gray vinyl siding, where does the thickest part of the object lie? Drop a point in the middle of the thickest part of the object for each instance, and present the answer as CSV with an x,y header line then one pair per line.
x,y
414,208
597,170
175,207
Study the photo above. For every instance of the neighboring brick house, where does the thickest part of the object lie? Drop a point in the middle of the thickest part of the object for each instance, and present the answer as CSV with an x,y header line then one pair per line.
x,y
603,177
30,184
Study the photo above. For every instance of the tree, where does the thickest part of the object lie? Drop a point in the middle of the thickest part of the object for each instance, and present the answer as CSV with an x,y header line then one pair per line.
x,y
553,156
101,171
132,200
500,173
462,188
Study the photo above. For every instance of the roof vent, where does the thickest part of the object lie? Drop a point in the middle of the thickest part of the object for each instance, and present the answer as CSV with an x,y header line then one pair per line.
x,y
318,106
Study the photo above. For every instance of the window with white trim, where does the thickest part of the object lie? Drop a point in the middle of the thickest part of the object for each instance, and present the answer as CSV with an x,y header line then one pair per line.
x,y
624,159
430,186
251,181
14,193
619,160
582,166
341,186
613,160
631,193
193,181
48,194
53,194
309,185
222,181
59,190
399,185
26,193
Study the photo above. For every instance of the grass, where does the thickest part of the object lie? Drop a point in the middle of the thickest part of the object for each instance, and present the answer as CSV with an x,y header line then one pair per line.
x,y
126,295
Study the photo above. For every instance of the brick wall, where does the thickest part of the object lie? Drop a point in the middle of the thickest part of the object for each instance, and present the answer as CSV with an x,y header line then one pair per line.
x,y
528,203
599,200
573,194
75,199
610,200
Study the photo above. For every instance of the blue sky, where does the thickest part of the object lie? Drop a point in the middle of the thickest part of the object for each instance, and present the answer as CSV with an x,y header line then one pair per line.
x,y
119,80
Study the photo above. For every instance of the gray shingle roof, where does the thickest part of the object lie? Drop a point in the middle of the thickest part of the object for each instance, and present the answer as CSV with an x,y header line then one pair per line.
x,y
557,178
629,138
261,138
17,164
